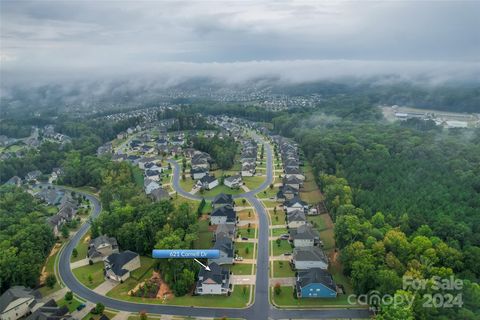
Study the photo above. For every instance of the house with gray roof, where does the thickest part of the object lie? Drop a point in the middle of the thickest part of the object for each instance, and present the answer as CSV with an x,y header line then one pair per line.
x,y
101,247
17,302
309,257
50,311
227,250
119,265
315,283
214,281
304,236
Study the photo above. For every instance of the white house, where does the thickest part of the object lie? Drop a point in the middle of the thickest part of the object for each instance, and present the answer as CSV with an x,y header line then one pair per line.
x,y
248,169
296,219
304,236
214,281
233,181
151,185
16,303
223,214
198,173
208,182
295,204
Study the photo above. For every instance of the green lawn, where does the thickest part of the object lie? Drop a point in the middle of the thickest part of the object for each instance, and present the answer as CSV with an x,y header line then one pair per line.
x,y
49,269
95,271
188,183
71,305
282,269
269,203
243,232
318,222
146,264
236,300
286,299
269,192
284,247
242,246
278,218
205,236
279,231
239,202
220,189
253,182
82,248
241,269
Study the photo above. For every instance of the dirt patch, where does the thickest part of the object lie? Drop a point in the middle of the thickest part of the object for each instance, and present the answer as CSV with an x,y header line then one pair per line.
x,y
44,273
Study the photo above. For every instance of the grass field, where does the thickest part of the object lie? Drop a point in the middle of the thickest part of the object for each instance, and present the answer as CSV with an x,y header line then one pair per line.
x,y
242,246
95,271
205,236
241,269
243,214
243,232
278,218
318,222
286,299
269,192
270,203
310,192
188,183
253,182
279,231
71,305
284,247
282,269
82,248
221,189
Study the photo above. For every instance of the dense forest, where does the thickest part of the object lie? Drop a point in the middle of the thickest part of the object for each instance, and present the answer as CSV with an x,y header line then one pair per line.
x,y
405,203
222,151
25,238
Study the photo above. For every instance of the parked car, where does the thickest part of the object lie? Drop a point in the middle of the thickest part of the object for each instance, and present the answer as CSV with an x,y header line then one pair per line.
x,y
244,238
284,237
287,254
237,258
81,306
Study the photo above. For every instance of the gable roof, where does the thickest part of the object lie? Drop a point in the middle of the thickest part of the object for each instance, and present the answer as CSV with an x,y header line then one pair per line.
x,y
224,244
118,260
215,275
223,198
296,215
12,294
225,211
316,275
294,201
207,179
304,231
309,254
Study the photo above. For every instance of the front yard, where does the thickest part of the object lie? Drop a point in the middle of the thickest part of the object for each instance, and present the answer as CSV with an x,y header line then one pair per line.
x,y
282,269
245,249
284,247
241,269
90,276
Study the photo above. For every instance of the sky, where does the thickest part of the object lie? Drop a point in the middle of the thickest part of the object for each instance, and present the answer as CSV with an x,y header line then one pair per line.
x,y
238,40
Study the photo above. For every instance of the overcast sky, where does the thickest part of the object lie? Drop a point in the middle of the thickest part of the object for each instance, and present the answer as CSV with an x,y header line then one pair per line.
x,y
237,40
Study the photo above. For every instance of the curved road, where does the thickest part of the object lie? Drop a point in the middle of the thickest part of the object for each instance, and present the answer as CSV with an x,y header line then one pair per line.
x,y
259,310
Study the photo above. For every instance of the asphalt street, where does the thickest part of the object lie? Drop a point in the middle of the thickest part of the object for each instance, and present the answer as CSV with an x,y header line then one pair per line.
x,y
260,309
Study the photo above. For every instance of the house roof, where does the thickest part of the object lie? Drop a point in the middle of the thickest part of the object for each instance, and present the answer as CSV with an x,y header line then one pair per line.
x,y
296,215
304,231
118,260
316,275
309,254
294,201
224,244
292,180
233,178
225,211
12,294
207,179
198,170
227,229
223,198
50,311
215,275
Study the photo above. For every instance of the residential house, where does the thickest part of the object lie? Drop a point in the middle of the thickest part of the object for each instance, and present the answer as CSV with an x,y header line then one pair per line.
x,y
292,181
14,181
296,219
315,283
16,303
222,199
233,181
51,196
33,175
133,159
144,161
198,173
293,172
223,214
225,230
101,247
304,236
201,160
213,281
227,251
152,175
119,265
248,169
160,194
309,257
50,311
177,141
286,193
208,182
295,204
150,185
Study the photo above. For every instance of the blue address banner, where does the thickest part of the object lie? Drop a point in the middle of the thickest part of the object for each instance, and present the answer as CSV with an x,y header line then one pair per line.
x,y
186,254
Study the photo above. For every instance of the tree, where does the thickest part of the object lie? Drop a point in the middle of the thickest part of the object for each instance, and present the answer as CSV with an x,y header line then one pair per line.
x,y
51,280
65,231
247,250
277,289
143,315
69,296
74,252
278,241
90,279
99,308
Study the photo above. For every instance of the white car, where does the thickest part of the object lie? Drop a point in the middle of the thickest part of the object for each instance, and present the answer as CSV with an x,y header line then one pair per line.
x,y
237,258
